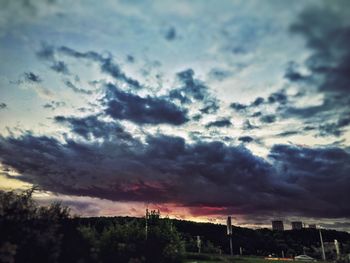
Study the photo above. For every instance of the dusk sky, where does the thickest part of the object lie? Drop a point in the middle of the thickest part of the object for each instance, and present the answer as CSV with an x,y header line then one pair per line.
x,y
202,109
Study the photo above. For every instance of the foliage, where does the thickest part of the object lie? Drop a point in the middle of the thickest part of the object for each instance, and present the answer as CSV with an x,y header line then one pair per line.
x,y
29,233
127,241
262,242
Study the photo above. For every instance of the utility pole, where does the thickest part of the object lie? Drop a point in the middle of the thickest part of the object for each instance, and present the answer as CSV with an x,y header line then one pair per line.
x,y
146,227
336,244
322,246
229,233
199,244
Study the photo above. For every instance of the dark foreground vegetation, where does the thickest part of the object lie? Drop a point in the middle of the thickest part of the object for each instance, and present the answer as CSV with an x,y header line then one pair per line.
x,y
29,233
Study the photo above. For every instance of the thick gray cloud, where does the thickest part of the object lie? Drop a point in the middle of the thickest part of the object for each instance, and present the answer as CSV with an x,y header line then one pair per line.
x,y
238,106
91,127
60,67
219,123
301,181
148,110
119,151
321,175
191,90
326,30
107,65
31,77
47,53
246,139
210,107
270,118
276,97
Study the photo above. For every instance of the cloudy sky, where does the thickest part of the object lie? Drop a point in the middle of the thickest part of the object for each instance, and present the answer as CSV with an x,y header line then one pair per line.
x,y
202,109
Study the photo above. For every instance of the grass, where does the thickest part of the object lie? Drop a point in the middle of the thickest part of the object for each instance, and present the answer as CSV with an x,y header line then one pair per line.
x,y
209,258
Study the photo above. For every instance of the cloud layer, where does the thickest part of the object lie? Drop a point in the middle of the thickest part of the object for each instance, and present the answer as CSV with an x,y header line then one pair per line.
x,y
225,110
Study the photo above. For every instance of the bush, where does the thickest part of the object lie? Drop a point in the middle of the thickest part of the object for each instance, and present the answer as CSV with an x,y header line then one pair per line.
x,y
29,233
128,242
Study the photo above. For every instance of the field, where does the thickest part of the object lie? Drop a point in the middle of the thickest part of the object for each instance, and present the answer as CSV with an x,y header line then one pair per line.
x,y
207,258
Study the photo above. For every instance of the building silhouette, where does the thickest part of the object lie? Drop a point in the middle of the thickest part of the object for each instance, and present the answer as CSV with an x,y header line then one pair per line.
x,y
277,225
297,225
312,226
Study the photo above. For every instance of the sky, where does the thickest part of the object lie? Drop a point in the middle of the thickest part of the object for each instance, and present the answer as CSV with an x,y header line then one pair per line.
x,y
201,109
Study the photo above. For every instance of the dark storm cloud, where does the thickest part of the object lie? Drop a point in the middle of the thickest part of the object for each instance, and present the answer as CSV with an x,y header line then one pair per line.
x,y
197,117
191,90
344,121
326,30
246,139
248,126
48,53
210,107
107,65
142,110
163,146
302,181
59,67
164,169
330,106
76,89
323,172
91,127
293,74
288,133
92,55
329,129
278,97
257,114
219,123
305,112
334,128
238,106
3,105
327,33
324,118
31,77
268,118
258,101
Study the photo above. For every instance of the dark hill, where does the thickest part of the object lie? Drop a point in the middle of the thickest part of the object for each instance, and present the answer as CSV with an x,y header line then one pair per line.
x,y
253,242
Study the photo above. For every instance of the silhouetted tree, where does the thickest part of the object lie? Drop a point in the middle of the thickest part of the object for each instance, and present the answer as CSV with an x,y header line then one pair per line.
x,y
29,233
126,241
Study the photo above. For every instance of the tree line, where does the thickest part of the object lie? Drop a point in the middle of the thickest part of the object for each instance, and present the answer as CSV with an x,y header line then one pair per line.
x,y
32,233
